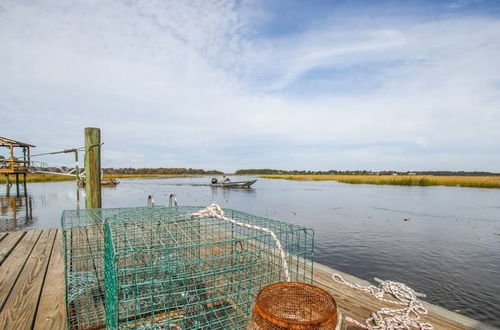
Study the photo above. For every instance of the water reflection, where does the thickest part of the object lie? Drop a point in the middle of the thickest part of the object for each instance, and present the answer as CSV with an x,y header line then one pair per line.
x,y
10,187
16,212
448,247
225,194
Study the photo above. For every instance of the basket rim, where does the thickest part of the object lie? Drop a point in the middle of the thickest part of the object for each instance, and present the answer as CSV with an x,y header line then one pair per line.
x,y
270,317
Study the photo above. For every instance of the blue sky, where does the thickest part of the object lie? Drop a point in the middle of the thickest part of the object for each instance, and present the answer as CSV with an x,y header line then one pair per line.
x,y
405,85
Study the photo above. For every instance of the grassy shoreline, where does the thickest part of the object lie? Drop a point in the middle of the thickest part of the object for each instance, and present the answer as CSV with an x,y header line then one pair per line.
x,y
400,180
39,178
152,176
57,178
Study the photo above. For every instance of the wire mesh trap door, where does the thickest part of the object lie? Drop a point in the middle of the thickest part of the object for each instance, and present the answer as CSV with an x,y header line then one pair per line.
x,y
165,269
83,244
293,305
83,254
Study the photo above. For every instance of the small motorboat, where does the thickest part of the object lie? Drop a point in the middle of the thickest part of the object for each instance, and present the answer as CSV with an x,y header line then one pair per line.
x,y
233,184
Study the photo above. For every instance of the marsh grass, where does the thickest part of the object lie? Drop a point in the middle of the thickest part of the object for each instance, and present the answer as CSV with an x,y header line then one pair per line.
x,y
400,180
53,178
39,178
150,176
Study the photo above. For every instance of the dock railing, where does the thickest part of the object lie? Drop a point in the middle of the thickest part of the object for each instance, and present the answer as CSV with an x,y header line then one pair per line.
x,y
13,165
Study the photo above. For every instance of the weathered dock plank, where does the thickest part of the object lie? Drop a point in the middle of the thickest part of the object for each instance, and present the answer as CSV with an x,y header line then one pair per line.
x,y
359,304
14,263
8,243
20,308
51,312
32,287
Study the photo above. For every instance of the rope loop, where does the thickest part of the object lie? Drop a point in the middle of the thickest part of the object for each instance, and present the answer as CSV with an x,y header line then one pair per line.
x,y
215,211
407,317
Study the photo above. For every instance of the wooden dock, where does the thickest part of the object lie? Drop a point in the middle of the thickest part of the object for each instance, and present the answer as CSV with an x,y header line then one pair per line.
x,y
32,280
32,287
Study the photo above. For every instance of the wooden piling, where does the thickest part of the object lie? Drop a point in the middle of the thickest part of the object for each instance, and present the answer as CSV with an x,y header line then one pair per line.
x,y
78,183
93,167
17,184
24,185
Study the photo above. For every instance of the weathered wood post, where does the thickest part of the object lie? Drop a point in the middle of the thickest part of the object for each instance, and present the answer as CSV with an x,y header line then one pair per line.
x,y
24,185
17,184
93,168
78,184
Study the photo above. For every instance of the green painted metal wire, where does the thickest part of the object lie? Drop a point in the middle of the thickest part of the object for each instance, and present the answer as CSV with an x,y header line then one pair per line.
x,y
79,283
158,267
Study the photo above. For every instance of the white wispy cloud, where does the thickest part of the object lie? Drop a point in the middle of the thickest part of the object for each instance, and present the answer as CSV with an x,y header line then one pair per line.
x,y
189,83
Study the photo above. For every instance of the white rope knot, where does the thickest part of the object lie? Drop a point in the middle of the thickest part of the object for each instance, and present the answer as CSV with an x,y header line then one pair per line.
x,y
215,211
407,317
211,211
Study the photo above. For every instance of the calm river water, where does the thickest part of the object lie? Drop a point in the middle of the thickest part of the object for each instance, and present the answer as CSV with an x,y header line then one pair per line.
x,y
449,246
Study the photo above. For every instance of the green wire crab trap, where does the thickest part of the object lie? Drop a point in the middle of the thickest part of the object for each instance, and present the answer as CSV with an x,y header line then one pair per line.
x,y
163,268
83,244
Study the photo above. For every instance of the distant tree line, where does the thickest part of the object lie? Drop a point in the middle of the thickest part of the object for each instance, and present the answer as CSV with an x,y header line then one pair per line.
x,y
264,171
158,170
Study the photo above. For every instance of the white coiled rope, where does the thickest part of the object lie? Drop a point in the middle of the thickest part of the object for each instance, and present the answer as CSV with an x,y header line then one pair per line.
x,y
386,318
215,211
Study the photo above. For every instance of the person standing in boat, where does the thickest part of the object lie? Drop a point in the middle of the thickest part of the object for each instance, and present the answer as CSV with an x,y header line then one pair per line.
x,y
225,179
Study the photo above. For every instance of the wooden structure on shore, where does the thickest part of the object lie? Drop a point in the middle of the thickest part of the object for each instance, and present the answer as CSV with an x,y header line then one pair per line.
x,y
107,182
15,164
32,287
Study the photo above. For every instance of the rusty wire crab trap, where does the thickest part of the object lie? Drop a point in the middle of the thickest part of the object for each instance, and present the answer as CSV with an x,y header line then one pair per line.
x,y
162,268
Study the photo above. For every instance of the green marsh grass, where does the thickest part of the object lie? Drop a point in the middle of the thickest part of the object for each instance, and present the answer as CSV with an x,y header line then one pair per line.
x,y
39,178
36,177
151,176
400,180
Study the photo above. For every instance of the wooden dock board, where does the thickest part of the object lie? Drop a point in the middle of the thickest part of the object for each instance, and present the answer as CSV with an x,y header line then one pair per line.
x,y
14,263
32,287
24,286
51,313
7,244
20,307
359,305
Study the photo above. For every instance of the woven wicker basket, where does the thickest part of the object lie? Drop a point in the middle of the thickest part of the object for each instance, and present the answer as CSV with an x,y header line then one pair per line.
x,y
293,305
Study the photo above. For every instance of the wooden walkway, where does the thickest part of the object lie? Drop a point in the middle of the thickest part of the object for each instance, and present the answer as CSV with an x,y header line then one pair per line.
x,y
359,305
32,280
32,287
